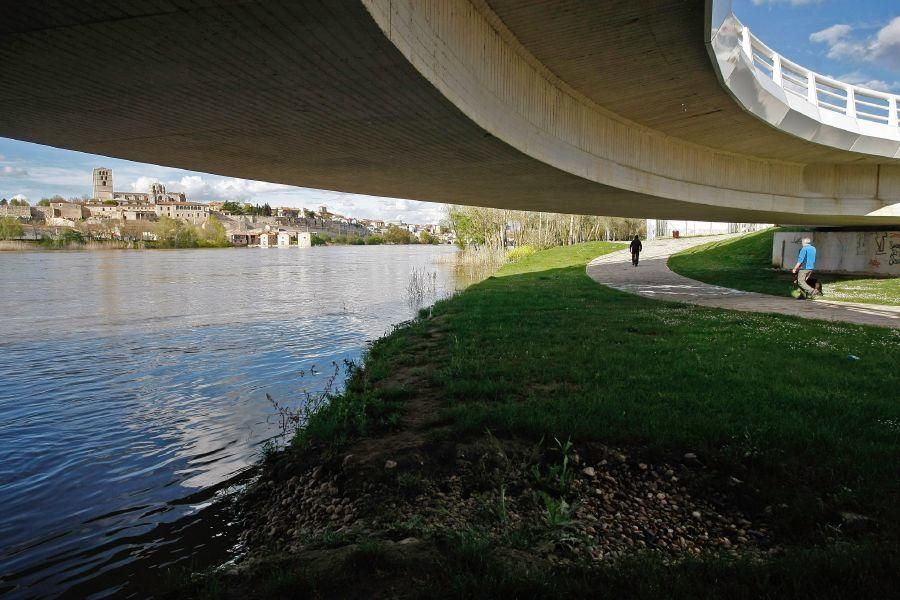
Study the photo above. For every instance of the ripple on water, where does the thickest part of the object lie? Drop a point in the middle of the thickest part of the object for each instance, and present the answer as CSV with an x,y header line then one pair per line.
x,y
131,381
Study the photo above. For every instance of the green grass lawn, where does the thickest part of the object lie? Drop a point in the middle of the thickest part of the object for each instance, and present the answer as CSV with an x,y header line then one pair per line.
x,y
541,350
744,263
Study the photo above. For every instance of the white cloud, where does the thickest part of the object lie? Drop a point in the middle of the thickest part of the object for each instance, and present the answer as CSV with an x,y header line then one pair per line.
x,y
141,184
831,35
19,197
862,79
9,171
883,47
886,46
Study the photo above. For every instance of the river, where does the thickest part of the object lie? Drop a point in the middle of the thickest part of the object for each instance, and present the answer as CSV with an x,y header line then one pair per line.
x,y
133,383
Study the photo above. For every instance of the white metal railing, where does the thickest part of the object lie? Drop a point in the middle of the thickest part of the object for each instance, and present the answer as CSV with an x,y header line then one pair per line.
x,y
824,92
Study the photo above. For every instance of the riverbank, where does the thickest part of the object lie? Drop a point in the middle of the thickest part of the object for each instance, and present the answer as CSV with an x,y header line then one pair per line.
x,y
744,263
32,245
539,434
51,244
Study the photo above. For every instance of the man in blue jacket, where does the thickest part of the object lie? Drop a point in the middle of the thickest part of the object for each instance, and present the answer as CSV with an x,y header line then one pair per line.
x,y
806,262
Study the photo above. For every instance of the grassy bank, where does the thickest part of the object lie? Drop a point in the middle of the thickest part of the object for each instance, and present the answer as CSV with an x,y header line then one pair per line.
x,y
744,263
599,407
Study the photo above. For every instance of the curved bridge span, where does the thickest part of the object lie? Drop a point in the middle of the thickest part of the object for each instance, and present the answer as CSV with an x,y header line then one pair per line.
x,y
638,108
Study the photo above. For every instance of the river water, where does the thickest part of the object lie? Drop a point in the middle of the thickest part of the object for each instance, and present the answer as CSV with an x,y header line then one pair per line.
x,y
133,383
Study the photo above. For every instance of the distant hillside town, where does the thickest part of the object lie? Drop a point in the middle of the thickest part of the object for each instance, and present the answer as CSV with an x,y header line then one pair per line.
x,y
152,215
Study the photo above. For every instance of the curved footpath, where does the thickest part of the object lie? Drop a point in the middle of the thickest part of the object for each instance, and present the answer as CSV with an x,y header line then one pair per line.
x,y
653,279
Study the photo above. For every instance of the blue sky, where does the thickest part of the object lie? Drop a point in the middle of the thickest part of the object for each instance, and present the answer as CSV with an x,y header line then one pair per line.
x,y
853,40
857,41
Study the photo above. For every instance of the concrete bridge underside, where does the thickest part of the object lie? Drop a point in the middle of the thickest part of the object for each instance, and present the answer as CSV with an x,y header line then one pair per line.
x,y
569,106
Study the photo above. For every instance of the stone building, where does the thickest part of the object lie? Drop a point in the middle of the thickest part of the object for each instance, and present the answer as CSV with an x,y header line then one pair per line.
x,y
103,190
185,211
268,239
62,209
103,184
18,212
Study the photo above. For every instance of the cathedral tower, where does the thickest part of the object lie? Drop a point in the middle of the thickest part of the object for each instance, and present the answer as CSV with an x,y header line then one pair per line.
x,y
103,184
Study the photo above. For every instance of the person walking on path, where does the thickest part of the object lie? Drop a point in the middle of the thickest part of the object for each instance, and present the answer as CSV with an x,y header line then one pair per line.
x,y
806,262
636,250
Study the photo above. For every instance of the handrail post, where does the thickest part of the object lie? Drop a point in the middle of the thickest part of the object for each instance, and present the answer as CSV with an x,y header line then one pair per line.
x,y
851,102
892,111
776,69
812,94
746,43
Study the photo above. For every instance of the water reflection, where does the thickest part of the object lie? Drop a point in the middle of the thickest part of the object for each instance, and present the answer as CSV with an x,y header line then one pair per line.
x,y
132,380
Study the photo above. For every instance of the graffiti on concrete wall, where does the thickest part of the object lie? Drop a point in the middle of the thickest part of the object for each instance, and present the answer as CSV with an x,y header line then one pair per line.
x,y
844,251
861,244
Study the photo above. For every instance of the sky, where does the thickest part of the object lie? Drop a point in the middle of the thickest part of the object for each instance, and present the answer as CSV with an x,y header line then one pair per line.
x,y
857,41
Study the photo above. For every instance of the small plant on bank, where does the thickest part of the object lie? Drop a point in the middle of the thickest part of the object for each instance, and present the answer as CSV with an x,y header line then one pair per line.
x,y
558,476
557,512
422,286
502,512
293,419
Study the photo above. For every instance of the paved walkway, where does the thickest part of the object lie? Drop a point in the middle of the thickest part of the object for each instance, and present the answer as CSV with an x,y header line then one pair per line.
x,y
652,278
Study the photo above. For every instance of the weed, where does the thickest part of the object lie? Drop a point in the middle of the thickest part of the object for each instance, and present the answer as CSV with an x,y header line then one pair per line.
x,y
292,419
334,539
558,476
557,512
422,287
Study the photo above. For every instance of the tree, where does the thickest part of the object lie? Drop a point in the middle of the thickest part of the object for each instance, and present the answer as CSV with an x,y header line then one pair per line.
x,y
70,236
497,228
10,228
462,221
397,235
427,238
232,207
173,233
186,236
44,202
135,229
4,202
214,232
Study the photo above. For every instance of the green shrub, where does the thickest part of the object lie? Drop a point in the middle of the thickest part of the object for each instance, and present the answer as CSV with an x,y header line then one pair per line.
x,y
519,252
10,228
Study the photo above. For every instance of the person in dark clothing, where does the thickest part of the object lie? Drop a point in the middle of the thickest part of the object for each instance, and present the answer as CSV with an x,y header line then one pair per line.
x,y
636,250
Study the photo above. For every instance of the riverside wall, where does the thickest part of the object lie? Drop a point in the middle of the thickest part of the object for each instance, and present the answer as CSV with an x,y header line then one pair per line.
x,y
870,252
